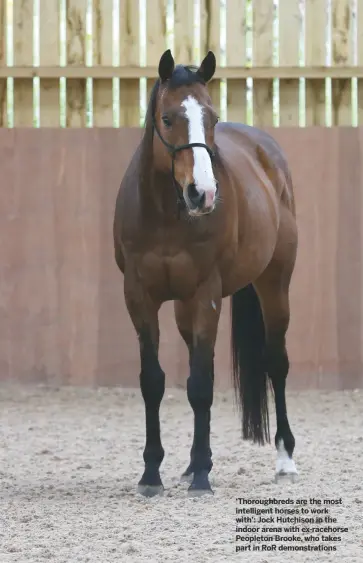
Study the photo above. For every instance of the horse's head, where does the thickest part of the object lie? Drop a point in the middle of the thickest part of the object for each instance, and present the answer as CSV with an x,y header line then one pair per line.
x,y
184,119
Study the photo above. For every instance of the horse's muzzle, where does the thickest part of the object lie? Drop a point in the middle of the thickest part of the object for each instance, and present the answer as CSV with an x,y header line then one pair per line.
x,y
200,202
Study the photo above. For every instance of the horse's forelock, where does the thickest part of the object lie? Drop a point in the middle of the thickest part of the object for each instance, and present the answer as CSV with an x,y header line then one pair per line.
x,y
183,75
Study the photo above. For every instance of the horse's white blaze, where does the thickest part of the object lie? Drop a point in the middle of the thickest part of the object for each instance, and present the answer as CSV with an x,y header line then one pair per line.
x,y
203,176
284,463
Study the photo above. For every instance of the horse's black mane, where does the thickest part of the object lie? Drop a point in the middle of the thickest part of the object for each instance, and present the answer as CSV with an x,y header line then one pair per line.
x,y
182,76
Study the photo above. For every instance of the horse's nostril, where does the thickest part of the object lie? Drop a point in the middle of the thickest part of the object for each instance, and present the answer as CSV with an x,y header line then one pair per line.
x,y
196,198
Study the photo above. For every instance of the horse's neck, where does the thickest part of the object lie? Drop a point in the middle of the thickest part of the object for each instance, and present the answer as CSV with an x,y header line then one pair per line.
x,y
156,190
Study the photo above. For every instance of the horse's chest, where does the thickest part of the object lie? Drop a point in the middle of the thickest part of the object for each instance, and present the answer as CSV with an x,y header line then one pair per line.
x,y
169,277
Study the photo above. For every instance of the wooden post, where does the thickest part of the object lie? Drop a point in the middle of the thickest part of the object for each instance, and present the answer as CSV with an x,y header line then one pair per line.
x,y
315,53
155,35
263,11
129,55
102,55
210,41
342,54
3,96
289,35
183,31
23,55
76,55
49,47
236,56
360,58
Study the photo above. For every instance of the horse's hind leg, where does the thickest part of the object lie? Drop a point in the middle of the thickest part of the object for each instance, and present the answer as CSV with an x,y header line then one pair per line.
x,y
272,289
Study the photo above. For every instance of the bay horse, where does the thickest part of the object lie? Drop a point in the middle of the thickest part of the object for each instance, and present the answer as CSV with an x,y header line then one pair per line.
x,y
206,210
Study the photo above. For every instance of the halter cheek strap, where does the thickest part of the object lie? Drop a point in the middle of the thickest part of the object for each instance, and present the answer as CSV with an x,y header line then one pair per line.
x,y
173,149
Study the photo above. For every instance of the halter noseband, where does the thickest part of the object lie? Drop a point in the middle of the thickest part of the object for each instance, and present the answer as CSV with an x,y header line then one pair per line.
x,y
173,149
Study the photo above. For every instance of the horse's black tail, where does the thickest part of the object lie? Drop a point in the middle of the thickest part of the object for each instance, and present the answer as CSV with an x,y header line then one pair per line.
x,y
248,363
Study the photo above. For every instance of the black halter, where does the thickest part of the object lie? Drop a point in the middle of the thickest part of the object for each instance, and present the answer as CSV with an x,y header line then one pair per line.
x,y
173,149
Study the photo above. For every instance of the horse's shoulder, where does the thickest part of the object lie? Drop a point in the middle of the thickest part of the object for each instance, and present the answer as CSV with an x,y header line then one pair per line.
x,y
247,135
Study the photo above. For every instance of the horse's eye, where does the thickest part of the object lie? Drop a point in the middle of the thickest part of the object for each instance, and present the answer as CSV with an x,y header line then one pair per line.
x,y
166,121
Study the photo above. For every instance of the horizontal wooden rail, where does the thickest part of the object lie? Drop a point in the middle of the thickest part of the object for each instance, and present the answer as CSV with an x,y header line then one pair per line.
x,y
134,72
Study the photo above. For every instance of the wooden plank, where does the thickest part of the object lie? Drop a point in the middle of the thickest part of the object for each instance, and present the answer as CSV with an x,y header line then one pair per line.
x,y
102,55
49,47
315,54
210,41
360,59
183,31
23,55
289,34
76,54
342,54
156,41
236,56
129,55
3,14
129,72
263,11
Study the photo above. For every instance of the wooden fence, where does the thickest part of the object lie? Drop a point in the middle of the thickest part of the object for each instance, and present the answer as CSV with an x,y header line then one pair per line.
x,y
82,63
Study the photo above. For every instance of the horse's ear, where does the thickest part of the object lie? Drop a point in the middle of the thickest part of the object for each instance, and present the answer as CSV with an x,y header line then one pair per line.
x,y
166,66
207,67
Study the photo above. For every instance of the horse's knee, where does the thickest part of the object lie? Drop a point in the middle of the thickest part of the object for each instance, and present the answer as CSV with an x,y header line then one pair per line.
x,y
152,384
200,391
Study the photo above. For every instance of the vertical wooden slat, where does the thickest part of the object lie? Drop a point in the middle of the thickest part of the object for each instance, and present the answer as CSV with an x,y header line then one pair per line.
x,y
289,34
3,12
263,11
315,52
210,41
129,55
23,55
236,56
342,55
360,58
155,35
102,55
183,31
49,47
76,55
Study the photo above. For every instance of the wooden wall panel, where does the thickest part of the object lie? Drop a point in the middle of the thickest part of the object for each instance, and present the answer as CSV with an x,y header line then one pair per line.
x,y
262,51
49,47
129,55
342,55
289,35
23,55
76,55
102,55
236,56
315,55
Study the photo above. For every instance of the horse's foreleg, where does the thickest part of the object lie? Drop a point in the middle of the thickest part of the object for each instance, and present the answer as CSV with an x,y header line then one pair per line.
x,y
184,320
273,295
204,313
144,315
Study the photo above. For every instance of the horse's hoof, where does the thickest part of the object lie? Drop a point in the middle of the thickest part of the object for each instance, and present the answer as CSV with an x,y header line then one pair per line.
x,y
150,490
195,493
285,465
284,476
186,477
200,485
